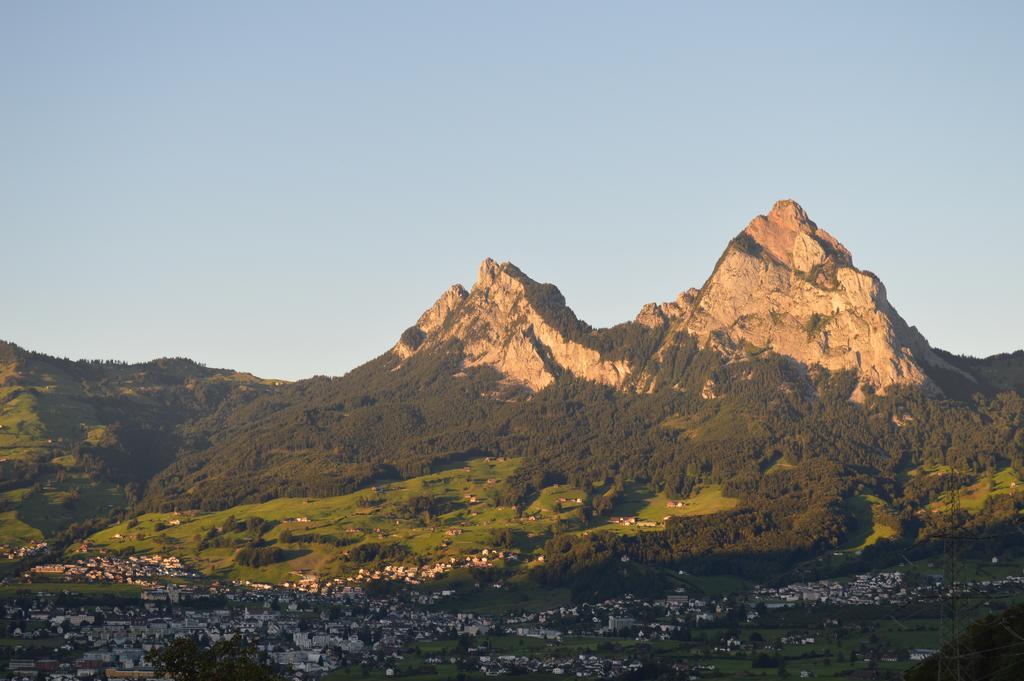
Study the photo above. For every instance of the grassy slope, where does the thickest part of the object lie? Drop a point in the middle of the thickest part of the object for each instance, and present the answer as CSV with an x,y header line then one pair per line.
x,y
974,495
42,410
864,509
646,506
15,531
466,527
377,515
46,407
55,508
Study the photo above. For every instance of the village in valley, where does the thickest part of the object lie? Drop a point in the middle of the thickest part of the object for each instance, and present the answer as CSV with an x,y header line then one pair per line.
x,y
97,616
345,597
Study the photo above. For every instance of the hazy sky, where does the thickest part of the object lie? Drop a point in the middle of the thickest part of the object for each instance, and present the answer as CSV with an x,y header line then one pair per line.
x,y
284,187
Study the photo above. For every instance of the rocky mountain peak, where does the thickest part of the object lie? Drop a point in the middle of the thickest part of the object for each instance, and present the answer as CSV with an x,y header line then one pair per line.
x,y
652,316
487,273
493,276
789,236
657,315
430,321
789,213
514,324
435,316
798,294
501,283
783,285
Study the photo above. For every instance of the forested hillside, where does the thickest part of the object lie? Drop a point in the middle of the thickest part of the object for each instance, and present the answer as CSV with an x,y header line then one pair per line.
x,y
791,446
80,440
788,382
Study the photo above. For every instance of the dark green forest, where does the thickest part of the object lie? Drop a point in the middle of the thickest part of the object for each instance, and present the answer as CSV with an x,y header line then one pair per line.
x,y
180,436
329,436
991,649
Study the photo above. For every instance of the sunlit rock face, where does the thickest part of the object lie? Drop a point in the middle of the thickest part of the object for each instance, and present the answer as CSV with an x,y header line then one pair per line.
x,y
504,322
782,285
788,286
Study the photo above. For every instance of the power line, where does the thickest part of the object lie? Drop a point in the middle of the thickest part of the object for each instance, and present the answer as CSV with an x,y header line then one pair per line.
x,y
954,595
950,655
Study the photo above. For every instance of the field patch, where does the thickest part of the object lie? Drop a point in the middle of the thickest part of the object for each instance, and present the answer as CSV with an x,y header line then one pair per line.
x,y
651,510
16,532
974,495
868,528
451,513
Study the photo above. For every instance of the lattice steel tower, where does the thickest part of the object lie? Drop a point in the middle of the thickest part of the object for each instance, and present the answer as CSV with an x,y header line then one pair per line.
x,y
950,655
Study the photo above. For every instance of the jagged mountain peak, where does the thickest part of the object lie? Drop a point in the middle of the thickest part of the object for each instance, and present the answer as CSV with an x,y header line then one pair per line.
x,y
491,270
493,274
514,324
783,285
488,273
656,315
789,236
434,317
788,286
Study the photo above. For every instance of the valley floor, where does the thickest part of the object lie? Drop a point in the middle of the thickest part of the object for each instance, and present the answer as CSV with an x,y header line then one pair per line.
x,y
872,626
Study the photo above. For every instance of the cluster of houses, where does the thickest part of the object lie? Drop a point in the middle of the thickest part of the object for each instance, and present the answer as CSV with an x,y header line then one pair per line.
x,y
110,569
582,665
291,628
8,552
642,619
305,635
633,521
418,574
883,588
310,626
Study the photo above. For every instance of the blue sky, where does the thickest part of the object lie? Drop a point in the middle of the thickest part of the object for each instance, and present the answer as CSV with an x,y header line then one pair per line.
x,y
284,187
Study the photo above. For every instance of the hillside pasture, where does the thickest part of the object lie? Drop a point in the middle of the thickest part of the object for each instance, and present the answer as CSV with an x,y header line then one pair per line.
x,y
450,513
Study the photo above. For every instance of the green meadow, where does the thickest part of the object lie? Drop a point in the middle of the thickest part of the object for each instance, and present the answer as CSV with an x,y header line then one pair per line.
x,y
868,529
315,535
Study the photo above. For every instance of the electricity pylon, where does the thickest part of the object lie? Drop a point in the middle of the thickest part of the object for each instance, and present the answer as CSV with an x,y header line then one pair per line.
x,y
950,656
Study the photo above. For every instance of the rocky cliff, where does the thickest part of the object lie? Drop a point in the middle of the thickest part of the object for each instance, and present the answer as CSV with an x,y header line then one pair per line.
x,y
515,325
788,286
782,285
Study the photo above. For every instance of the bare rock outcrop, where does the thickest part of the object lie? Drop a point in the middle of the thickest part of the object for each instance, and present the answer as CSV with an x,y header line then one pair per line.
x,y
430,321
652,316
519,327
782,285
786,285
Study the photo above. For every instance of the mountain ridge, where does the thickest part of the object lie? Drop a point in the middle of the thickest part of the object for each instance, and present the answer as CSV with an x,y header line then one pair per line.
x,y
516,325
745,376
783,285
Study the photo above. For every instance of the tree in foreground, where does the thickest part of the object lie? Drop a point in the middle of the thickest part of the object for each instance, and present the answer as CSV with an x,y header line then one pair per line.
x,y
229,660
992,649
